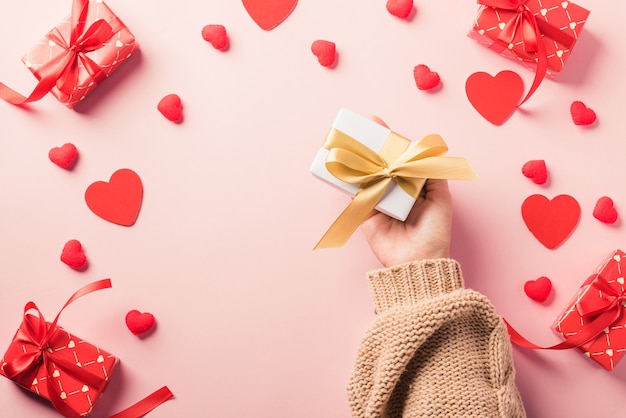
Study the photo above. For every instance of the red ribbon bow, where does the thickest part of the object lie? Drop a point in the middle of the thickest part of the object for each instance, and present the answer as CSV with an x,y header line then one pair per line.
x,y
601,312
34,335
63,70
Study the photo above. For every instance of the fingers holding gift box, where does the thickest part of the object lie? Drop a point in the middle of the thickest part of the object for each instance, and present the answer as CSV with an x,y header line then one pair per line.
x,y
381,169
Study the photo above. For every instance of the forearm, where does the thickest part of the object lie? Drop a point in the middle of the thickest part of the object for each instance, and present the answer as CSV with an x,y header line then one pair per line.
x,y
435,349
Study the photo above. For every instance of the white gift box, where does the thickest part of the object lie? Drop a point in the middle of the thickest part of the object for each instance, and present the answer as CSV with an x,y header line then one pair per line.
x,y
395,202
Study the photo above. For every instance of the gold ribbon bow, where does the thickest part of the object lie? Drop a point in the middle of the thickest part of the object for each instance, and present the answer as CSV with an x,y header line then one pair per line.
x,y
400,161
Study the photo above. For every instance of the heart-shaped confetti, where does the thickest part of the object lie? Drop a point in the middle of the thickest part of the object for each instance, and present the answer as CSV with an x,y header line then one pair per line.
x,y
216,35
117,201
605,211
171,107
269,13
551,221
425,79
64,156
325,51
536,171
139,323
581,114
400,8
539,289
495,98
73,254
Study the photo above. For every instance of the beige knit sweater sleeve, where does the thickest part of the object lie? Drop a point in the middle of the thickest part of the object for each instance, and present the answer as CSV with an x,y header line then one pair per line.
x,y
434,350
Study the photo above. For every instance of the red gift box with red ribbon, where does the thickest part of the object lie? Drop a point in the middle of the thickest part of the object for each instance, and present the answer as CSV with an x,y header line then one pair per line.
x,y
596,313
76,55
513,28
56,365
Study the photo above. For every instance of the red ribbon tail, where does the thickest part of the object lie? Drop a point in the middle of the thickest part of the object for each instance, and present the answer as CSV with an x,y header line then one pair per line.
x,y
542,68
146,405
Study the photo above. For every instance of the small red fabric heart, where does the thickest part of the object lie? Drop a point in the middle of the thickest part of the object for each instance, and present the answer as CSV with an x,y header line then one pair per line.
x,y
325,51
495,98
171,107
605,211
117,201
73,254
536,171
425,79
216,35
400,8
539,289
269,13
581,114
64,156
551,221
139,323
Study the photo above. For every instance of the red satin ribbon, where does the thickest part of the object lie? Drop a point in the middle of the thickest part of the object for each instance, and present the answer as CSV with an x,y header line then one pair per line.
x,y
601,312
34,335
63,70
523,21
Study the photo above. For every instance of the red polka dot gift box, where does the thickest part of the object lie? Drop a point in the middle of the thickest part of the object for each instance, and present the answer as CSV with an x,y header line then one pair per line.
x,y
76,55
596,313
530,31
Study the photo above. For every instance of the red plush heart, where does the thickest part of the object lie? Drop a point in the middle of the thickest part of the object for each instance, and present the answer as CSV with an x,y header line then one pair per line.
x,y
171,107
216,35
117,201
400,8
495,98
269,13
424,78
551,221
73,254
139,323
536,171
604,211
539,289
63,156
325,51
581,114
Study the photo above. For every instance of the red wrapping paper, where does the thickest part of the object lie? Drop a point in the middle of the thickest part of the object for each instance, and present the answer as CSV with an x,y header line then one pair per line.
x,y
560,24
80,397
602,293
107,57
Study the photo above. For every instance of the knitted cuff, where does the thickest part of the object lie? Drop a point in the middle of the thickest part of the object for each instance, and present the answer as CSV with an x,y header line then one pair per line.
x,y
409,283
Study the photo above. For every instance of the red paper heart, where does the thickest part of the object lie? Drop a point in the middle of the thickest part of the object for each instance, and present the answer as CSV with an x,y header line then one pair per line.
x,y
581,114
536,171
73,254
117,201
325,51
604,211
551,221
495,98
400,8
216,35
539,289
139,323
269,13
64,156
171,107
425,79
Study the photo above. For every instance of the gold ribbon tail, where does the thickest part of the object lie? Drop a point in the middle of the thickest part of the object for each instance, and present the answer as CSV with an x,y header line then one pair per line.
x,y
365,200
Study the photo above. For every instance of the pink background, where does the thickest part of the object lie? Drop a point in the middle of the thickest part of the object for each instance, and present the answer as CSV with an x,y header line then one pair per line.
x,y
251,321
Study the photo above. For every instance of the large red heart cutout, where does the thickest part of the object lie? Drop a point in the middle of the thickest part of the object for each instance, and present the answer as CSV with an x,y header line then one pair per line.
x,y
551,221
495,98
117,201
269,13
